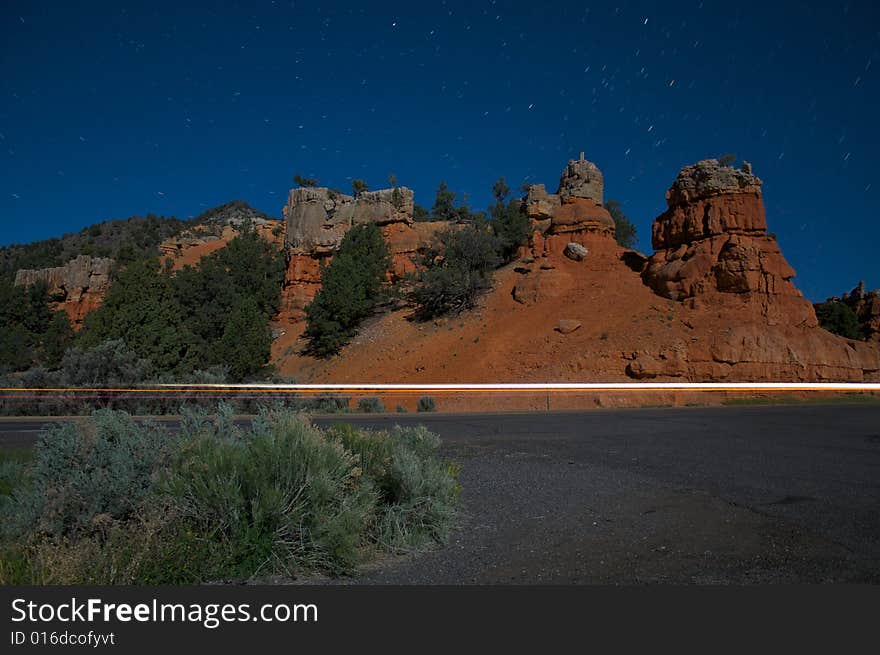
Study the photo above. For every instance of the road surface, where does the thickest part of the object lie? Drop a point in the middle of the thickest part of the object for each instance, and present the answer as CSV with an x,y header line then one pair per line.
x,y
694,495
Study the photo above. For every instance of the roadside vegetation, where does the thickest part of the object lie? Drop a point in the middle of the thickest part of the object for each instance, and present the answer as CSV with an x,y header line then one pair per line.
x,y
854,398
217,503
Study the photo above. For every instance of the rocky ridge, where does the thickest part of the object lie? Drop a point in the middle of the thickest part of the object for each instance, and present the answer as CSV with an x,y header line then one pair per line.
x,y
217,227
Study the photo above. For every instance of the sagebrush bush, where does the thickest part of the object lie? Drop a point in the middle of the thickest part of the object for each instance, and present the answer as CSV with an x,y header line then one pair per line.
x,y
111,501
417,489
371,405
281,499
427,404
108,364
83,471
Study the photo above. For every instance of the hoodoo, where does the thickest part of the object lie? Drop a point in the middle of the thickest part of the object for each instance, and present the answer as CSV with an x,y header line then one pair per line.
x,y
712,246
572,214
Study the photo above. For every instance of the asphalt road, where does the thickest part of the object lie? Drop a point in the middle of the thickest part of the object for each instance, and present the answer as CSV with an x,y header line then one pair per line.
x,y
695,495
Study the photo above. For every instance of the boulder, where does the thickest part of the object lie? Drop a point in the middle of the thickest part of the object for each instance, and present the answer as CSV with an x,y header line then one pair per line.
x,y
575,251
708,178
581,215
540,205
567,325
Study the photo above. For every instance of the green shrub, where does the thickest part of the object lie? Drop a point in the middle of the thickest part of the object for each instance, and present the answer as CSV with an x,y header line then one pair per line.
x,y
371,405
456,271
419,507
417,489
14,470
427,404
401,409
284,498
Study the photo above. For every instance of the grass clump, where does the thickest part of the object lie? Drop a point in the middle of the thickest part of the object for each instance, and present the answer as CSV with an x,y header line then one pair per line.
x,y
371,405
113,501
426,404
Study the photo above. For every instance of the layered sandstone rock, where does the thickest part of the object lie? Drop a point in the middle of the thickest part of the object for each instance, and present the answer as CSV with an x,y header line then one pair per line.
x,y
316,219
78,287
574,211
750,352
713,240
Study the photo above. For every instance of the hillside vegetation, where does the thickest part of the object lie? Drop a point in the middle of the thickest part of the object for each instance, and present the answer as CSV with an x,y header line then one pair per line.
x,y
125,239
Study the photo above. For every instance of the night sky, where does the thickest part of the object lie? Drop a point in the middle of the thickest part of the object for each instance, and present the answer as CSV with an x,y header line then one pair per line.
x,y
111,109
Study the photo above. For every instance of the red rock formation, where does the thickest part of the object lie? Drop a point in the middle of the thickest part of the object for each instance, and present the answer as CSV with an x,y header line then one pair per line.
x,y
713,240
317,219
714,254
78,287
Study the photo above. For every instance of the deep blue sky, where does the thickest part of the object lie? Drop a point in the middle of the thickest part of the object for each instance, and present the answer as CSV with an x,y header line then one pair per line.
x,y
109,109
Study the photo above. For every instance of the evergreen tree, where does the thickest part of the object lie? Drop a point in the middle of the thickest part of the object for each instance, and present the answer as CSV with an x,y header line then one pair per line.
x,y
456,271
305,181
246,343
510,224
350,289
358,187
421,213
444,204
624,229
